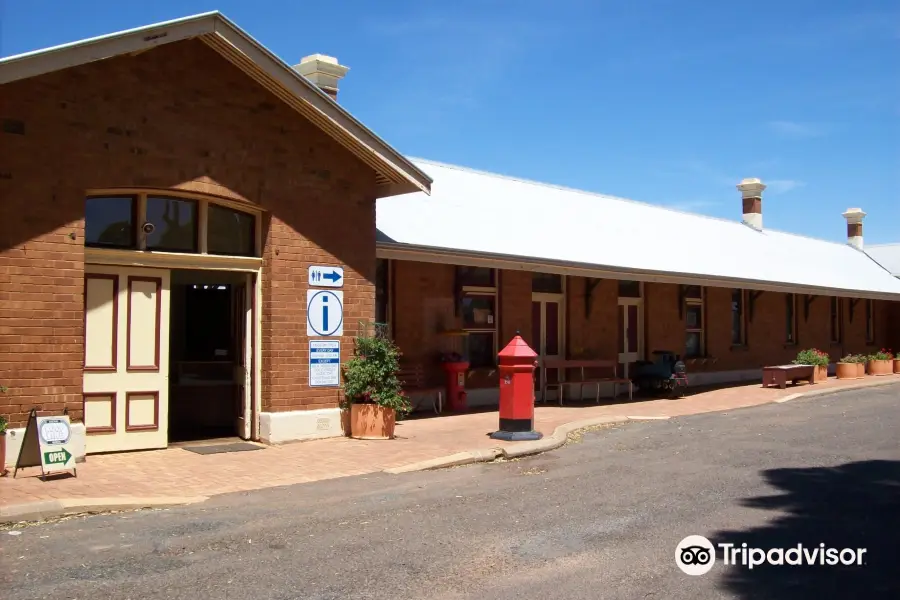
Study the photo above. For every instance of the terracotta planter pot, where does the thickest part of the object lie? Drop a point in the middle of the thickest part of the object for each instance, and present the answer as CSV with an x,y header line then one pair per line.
x,y
821,373
2,454
897,365
372,422
880,367
846,370
860,370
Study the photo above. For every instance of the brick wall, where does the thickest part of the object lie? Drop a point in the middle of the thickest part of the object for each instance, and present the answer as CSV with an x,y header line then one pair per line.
x,y
178,116
592,335
422,288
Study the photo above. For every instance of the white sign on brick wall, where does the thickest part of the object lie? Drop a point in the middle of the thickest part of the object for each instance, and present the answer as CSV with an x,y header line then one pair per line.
x,y
324,363
324,313
332,277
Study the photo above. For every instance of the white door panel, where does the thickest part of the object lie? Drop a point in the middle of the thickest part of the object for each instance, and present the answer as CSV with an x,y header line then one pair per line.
x,y
126,362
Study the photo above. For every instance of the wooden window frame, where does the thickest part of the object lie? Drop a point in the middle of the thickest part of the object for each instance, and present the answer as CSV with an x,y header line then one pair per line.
x,y
139,212
701,302
492,291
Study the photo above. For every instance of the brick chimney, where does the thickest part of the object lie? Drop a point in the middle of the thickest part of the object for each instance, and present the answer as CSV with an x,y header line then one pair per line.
x,y
855,218
751,192
323,71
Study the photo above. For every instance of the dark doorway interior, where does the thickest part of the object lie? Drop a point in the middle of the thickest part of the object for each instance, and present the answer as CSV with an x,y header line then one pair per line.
x,y
206,354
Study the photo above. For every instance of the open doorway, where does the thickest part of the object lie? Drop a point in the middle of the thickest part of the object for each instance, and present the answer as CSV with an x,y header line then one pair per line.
x,y
209,350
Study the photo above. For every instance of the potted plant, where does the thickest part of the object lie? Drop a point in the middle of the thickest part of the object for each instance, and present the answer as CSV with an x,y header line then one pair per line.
x,y
881,363
372,389
846,368
896,363
861,360
817,359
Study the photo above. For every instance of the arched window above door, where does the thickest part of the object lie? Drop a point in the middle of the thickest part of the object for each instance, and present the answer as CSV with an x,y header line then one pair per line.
x,y
169,223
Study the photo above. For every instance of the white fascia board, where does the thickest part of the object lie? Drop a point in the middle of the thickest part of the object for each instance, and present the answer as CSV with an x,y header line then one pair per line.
x,y
39,62
394,251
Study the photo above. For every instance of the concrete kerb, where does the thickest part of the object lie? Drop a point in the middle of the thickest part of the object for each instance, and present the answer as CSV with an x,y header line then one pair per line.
x,y
47,509
561,434
551,442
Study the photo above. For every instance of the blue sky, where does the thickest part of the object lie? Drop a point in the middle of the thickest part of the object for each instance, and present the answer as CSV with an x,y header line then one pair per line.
x,y
666,101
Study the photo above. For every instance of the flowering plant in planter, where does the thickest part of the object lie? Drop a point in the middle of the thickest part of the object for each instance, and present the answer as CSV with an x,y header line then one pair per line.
x,y
882,354
812,356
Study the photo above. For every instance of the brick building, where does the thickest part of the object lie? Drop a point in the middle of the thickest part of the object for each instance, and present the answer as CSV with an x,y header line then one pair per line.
x,y
583,275
165,190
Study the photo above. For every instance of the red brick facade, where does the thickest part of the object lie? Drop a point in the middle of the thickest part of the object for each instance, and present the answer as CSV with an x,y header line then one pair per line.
x,y
177,117
424,296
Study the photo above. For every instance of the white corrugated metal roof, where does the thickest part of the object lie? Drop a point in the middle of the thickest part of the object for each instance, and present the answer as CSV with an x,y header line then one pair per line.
x,y
888,255
489,217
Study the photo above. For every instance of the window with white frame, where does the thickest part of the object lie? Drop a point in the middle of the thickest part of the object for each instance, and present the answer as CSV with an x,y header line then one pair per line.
x,y
695,343
478,309
169,223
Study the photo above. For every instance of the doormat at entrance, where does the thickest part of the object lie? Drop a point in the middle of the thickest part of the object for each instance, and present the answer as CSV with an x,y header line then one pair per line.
x,y
222,448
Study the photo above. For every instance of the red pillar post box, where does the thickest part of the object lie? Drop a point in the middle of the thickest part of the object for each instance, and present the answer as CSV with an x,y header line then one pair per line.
x,y
516,366
456,385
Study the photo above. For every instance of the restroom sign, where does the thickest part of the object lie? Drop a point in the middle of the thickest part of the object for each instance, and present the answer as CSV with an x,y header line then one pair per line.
x,y
332,277
324,313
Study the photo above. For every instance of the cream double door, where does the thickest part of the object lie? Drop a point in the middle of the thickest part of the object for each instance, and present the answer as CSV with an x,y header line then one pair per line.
x,y
126,358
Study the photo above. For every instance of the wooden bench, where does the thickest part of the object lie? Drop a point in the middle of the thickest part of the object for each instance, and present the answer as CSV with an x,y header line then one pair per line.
x,y
585,374
779,375
412,378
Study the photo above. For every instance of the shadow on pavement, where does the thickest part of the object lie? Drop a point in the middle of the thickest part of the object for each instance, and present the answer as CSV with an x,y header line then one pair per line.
x,y
855,505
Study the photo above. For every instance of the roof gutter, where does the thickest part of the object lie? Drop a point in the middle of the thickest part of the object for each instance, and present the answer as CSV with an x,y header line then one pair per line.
x,y
398,251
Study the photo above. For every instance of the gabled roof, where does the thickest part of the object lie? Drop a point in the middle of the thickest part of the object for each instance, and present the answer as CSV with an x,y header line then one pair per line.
x,y
480,218
887,255
394,173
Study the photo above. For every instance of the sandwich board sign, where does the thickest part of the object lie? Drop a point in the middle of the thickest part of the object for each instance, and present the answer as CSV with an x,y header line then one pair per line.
x,y
46,444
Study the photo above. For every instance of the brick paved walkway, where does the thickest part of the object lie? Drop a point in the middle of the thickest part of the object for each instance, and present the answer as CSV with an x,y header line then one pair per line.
x,y
177,472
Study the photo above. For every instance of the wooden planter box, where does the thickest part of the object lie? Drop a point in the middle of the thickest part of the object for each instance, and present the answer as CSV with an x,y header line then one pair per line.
x,y
372,422
897,365
846,370
821,373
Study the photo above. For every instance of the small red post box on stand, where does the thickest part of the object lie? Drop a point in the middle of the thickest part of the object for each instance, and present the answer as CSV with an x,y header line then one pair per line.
x,y
517,363
456,384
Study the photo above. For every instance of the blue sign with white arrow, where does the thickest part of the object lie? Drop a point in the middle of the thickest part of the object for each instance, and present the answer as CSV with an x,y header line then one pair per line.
x,y
332,277
324,313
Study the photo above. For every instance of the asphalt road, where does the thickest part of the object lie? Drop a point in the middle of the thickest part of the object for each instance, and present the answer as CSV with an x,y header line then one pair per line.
x,y
597,519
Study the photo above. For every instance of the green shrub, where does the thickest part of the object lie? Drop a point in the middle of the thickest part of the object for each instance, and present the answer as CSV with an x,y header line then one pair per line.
x,y
370,376
812,356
